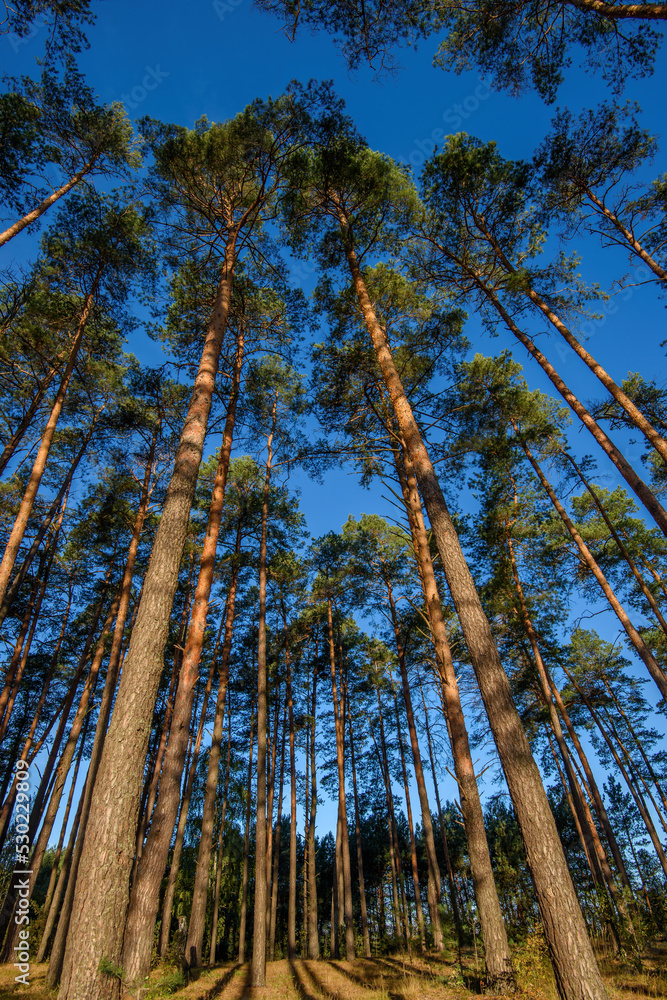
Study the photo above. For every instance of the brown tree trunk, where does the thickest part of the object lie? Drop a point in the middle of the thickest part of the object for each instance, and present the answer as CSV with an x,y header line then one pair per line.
x,y
419,913
168,901
400,917
357,829
587,558
32,216
102,891
576,971
144,898
39,464
246,846
342,808
276,844
291,903
221,844
313,937
258,966
194,945
433,870
499,973
445,847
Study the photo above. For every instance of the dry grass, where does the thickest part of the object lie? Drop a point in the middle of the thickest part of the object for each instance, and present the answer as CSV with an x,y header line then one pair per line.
x,y
397,977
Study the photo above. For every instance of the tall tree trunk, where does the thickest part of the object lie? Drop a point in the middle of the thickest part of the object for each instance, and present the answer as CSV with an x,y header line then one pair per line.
x,y
400,916
144,898
313,936
638,486
102,891
499,972
35,214
258,967
419,913
246,845
433,870
62,771
576,971
639,802
342,808
587,558
39,464
357,829
276,843
221,844
194,945
168,901
291,903
584,813
445,846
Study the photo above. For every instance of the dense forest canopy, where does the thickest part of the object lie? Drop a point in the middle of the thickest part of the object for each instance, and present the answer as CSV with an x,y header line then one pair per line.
x,y
333,420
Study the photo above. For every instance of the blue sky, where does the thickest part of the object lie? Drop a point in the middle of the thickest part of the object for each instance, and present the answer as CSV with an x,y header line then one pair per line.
x,y
178,62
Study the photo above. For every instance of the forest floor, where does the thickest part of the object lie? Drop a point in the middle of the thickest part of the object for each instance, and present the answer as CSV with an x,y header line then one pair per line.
x,y
397,977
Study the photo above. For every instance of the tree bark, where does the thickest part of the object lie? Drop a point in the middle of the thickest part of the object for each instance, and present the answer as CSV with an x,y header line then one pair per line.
x,y
575,968
499,972
102,891
195,940
39,464
357,829
246,846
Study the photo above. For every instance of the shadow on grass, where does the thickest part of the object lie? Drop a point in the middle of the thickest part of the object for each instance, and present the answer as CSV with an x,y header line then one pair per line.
x,y
220,984
300,981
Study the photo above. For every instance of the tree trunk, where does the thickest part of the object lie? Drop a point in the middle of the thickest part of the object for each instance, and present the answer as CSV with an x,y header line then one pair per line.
x,y
433,870
102,891
357,829
291,904
39,464
246,846
419,913
576,971
499,973
445,847
313,936
587,558
258,967
342,808
194,945
276,844
32,216
221,844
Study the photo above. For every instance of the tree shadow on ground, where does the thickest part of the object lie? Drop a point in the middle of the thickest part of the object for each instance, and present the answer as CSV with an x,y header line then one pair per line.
x,y
299,978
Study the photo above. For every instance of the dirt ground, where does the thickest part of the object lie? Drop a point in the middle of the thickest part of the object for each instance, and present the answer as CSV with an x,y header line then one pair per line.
x,y
383,978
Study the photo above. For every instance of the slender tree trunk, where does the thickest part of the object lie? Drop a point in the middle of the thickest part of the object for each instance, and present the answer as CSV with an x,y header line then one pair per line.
x,y
357,829
342,808
194,946
221,844
313,936
276,843
587,558
419,913
246,846
639,802
499,972
400,919
61,773
445,847
433,870
168,902
32,216
576,971
39,464
258,967
291,905
26,420
619,542
639,487
102,891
